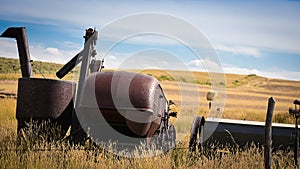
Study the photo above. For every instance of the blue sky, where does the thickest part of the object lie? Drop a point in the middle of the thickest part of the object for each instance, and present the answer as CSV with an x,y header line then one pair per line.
x,y
261,37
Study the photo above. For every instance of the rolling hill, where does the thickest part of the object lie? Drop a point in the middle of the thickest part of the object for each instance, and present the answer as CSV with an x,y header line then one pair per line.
x,y
246,95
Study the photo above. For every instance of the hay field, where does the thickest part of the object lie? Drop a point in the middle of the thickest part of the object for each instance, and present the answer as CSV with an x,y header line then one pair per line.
x,y
246,98
246,95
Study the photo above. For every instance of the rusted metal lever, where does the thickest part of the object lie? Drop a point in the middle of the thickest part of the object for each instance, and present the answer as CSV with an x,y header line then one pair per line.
x,y
19,33
69,66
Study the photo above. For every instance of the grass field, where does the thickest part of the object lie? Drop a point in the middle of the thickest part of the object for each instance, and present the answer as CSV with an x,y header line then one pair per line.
x,y
246,98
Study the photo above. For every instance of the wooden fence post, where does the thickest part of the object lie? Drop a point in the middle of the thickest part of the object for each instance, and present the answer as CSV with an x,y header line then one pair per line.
x,y
268,134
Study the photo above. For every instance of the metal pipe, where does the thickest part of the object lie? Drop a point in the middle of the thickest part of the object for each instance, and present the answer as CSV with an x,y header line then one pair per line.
x,y
69,66
19,33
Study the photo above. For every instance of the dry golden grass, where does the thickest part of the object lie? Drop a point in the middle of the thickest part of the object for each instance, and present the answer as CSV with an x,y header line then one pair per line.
x,y
246,95
42,154
24,154
15,77
246,98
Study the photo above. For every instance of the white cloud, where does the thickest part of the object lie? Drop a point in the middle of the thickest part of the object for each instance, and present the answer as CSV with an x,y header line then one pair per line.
x,y
238,28
283,74
286,75
242,25
112,60
40,52
70,45
271,25
238,70
43,53
152,39
204,65
111,57
53,51
8,48
240,50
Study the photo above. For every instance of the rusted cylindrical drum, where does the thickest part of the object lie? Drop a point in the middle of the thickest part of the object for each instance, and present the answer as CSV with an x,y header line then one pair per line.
x,y
45,100
131,103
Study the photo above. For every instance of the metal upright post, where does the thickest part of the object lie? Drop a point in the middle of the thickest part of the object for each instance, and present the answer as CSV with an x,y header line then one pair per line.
x,y
86,53
296,148
90,41
296,113
268,134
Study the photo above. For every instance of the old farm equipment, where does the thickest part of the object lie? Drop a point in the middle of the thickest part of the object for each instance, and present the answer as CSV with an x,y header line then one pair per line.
x,y
132,104
142,111
40,99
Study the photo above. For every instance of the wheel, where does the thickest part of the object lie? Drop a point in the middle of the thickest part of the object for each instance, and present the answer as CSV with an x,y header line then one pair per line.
x,y
195,131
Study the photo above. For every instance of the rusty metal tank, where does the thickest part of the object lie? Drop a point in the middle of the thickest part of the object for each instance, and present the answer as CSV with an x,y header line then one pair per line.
x,y
133,104
43,100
